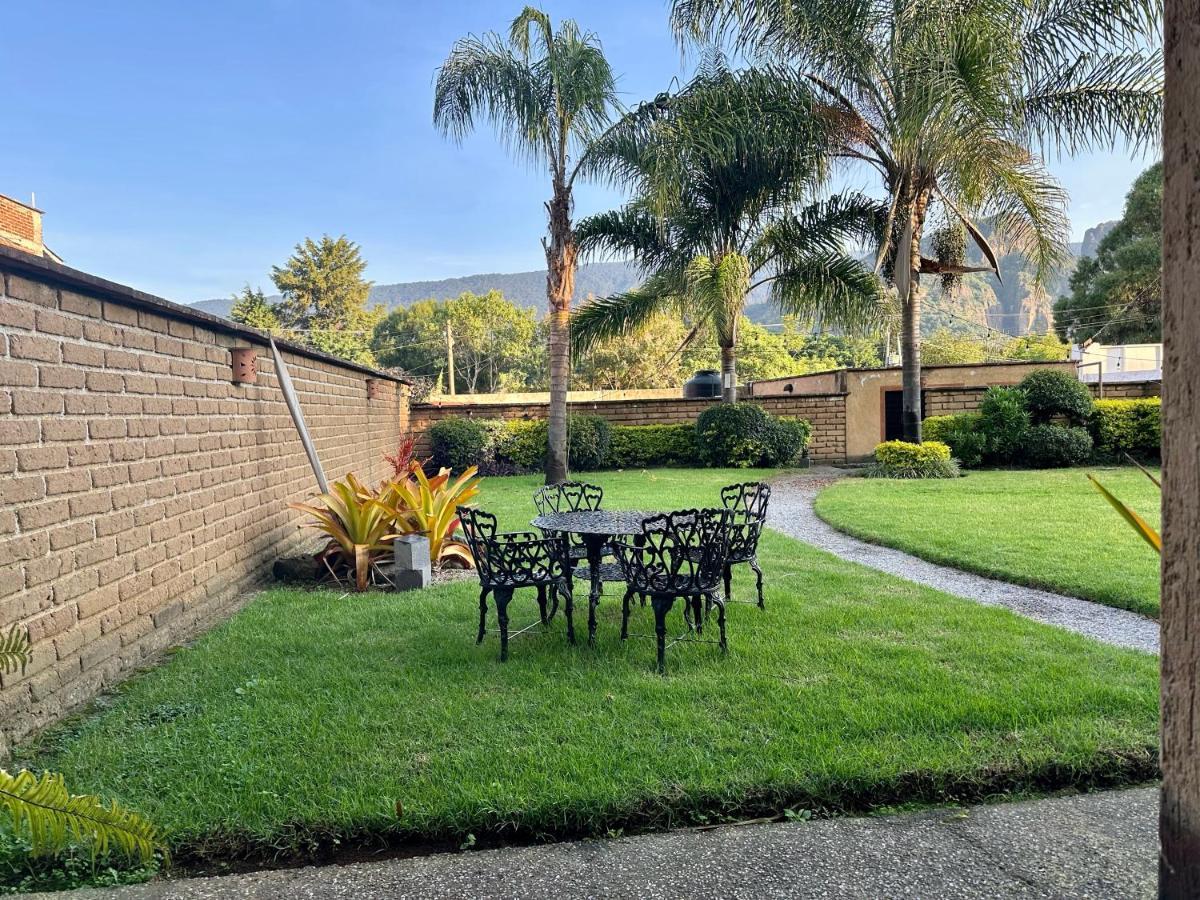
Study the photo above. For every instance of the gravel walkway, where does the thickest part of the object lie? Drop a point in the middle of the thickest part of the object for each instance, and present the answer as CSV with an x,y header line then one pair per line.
x,y
1095,845
791,512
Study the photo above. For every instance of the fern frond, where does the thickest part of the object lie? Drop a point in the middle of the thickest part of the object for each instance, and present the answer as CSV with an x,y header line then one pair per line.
x,y
14,650
41,808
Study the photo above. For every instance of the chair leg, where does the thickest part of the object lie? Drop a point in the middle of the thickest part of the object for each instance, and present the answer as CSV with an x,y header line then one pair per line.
x,y
541,589
662,605
721,627
482,615
569,609
503,596
697,613
758,582
728,582
625,614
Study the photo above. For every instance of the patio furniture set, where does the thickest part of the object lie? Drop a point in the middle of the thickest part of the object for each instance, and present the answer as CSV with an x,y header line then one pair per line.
x,y
685,555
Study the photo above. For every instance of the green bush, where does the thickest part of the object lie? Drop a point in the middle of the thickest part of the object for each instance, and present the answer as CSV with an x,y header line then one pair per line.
x,y
1004,421
964,435
522,443
588,442
458,443
900,459
743,435
1050,393
1051,446
1127,426
641,446
788,439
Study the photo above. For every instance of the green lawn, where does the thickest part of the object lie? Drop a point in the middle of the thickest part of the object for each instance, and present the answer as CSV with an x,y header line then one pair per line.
x,y
308,720
1049,529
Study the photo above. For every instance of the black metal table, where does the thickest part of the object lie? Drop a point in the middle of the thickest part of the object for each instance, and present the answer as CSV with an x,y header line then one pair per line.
x,y
595,527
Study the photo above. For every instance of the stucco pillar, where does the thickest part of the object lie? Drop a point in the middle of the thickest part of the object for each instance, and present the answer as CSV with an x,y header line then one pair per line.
x,y
1179,823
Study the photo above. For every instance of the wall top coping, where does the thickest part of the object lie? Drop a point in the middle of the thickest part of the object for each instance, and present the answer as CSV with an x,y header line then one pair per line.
x,y
18,262
634,401
924,368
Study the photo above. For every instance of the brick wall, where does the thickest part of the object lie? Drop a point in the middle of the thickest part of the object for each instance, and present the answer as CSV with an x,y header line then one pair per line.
x,y
20,226
141,492
826,413
947,401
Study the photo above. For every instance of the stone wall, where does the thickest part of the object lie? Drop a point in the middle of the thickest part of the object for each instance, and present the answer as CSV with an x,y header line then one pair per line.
x,y
947,401
825,412
142,493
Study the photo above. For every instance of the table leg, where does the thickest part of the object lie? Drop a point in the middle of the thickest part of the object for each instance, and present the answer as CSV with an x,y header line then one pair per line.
x,y
595,555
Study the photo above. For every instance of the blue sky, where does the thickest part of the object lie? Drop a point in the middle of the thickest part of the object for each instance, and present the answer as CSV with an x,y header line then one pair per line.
x,y
185,148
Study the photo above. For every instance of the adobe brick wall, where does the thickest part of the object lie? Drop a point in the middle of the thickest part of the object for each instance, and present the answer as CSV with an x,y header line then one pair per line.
x,y
825,412
947,401
141,492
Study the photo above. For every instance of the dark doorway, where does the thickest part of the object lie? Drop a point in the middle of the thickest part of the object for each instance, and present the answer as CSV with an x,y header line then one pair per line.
x,y
893,414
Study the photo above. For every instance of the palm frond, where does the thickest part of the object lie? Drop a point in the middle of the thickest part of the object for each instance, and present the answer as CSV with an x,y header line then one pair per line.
x,y
833,289
631,231
14,650
716,291
607,318
52,818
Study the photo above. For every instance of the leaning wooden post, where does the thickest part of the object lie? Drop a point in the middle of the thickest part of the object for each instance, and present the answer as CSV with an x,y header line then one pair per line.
x,y
1179,817
293,405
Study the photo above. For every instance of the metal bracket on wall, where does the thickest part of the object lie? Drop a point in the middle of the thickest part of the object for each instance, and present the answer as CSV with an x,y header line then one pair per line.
x,y
293,405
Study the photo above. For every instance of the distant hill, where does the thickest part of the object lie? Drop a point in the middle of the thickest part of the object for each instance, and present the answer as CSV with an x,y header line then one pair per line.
x,y
1015,306
521,288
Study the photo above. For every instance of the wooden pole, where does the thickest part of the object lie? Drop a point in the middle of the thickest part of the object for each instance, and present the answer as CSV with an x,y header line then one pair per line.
x,y
450,356
1179,816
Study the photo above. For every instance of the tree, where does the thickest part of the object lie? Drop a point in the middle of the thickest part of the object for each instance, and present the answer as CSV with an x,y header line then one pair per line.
x,y
651,358
761,354
945,347
548,94
1116,295
251,308
947,105
324,298
413,339
1036,348
718,171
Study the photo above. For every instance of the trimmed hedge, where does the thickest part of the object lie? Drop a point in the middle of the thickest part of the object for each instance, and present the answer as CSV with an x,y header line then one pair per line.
x,y
1052,446
963,433
1127,426
643,446
744,435
459,443
900,459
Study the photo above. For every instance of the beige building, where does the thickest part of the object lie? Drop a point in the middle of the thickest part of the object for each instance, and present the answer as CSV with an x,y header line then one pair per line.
x,y
873,395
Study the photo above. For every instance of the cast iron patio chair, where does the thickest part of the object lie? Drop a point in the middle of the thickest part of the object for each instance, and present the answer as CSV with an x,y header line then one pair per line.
x,y
678,555
748,504
569,496
509,560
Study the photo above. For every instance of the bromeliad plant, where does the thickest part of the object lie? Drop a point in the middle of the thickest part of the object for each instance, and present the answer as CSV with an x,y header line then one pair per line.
x,y
362,522
360,528
422,505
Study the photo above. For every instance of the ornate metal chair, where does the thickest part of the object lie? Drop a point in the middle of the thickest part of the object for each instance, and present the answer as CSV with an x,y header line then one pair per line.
x,y
509,560
678,555
569,496
748,504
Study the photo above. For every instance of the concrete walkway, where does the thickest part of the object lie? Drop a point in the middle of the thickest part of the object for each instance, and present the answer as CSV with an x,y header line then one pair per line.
x,y
1098,845
791,512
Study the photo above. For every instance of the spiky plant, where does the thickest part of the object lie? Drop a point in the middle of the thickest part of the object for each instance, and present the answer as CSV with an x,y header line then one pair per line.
x,y
547,93
40,807
723,174
359,527
950,103
422,505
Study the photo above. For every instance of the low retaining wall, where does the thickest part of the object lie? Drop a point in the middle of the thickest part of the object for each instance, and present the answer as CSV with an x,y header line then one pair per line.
x,y
825,412
141,491
947,401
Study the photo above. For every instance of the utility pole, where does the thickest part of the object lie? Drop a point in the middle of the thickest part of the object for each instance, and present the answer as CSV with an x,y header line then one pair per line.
x,y
450,355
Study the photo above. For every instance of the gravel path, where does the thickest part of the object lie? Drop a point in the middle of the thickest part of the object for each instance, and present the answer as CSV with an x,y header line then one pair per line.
x,y
791,512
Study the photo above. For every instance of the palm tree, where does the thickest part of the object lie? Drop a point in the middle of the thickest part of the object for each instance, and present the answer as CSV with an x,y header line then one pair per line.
x,y
548,94
719,171
948,103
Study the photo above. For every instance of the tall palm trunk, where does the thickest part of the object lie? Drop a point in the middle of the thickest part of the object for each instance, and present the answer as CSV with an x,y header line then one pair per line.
x,y
907,266
728,375
560,288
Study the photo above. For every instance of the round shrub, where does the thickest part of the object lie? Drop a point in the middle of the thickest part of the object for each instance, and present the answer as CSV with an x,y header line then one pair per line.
x,y
588,440
459,443
522,443
900,459
1050,393
733,434
788,439
964,435
1003,420
1055,446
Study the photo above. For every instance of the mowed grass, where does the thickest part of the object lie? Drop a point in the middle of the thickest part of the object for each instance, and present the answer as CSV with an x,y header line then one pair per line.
x,y
1049,529
308,721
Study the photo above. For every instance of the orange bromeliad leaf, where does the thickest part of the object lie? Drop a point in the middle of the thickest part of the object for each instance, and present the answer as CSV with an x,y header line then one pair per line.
x,y
1149,534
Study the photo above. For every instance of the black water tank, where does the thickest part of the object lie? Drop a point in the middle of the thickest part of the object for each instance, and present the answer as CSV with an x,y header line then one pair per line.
x,y
705,383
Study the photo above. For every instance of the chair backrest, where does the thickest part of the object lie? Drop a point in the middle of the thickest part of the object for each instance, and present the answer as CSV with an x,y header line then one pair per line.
x,y
749,497
479,527
567,496
681,551
745,529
